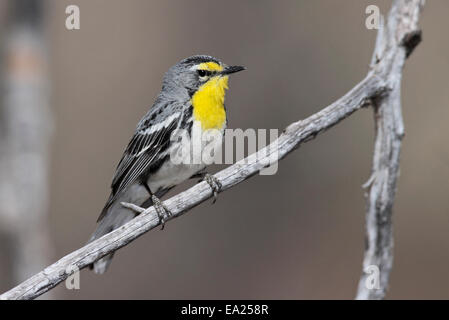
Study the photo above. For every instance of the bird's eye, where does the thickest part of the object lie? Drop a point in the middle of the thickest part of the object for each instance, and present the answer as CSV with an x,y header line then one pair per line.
x,y
202,73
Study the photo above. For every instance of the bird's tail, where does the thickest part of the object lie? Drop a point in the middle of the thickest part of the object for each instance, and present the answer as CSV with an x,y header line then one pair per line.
x,y
115,217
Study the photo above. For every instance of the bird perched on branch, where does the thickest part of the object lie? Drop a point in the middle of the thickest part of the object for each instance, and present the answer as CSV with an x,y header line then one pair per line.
x,y
193,92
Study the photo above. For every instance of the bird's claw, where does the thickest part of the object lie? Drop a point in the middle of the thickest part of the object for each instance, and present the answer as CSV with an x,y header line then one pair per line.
x,y
215,185
161,210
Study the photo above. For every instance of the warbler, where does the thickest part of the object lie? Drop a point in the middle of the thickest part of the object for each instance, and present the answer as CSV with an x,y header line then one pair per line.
x,y
193,91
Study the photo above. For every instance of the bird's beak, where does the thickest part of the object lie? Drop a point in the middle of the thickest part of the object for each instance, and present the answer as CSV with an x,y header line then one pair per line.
x,y
232,69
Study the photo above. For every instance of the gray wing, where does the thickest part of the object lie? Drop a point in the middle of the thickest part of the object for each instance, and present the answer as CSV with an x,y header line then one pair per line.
x,y
151,138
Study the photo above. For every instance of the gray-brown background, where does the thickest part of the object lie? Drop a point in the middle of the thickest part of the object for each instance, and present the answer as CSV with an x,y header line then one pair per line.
x,y
296,235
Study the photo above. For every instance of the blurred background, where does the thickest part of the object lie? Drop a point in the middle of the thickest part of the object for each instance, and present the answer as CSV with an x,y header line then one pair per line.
x,y
299,234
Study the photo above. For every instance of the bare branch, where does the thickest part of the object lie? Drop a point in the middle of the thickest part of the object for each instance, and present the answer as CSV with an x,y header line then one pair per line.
x,y
376,87
296,133
394,44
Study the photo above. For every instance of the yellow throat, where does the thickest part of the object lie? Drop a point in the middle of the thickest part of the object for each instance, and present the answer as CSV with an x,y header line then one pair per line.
x,y
208,100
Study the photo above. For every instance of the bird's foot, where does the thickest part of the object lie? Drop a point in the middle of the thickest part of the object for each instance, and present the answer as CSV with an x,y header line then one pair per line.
x,y
161,210
215,185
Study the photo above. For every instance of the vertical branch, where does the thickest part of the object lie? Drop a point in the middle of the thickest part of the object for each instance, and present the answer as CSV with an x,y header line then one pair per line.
x,y
394,44
380,196
25,126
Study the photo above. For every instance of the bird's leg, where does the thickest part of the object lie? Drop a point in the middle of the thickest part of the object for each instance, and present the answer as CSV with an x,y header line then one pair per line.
x,y
161,210
214,183
200,175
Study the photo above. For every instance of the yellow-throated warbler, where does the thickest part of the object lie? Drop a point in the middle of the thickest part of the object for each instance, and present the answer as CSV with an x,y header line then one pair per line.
x,y
192,91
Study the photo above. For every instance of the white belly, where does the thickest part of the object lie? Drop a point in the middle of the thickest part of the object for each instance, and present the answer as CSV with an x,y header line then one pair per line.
x,y
170,175
175,172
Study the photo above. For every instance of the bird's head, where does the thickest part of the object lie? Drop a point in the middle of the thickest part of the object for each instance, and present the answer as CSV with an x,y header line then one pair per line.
x,y
199,72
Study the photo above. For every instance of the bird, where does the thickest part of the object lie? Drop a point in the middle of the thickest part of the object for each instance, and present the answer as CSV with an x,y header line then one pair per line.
x,y
192,96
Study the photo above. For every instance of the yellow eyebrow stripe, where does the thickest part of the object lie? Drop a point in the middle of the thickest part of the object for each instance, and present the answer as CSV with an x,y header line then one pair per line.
x,y
210,66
